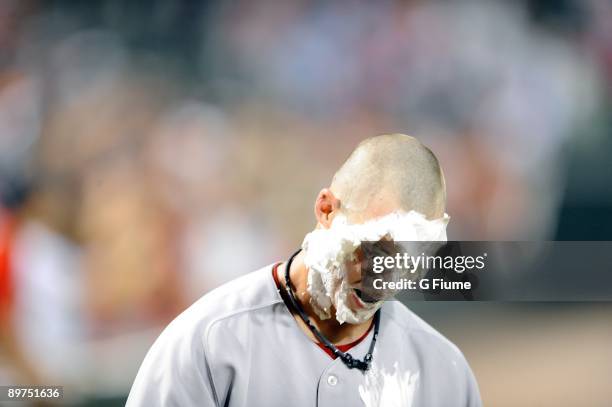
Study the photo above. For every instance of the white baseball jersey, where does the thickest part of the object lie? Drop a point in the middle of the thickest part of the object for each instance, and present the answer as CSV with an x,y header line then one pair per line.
x,y
239,346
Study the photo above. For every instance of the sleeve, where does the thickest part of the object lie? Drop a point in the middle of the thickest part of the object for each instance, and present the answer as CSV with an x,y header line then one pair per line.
x,y
175,372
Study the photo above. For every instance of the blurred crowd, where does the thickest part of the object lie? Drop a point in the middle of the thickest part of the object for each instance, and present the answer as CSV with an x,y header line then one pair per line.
x,y
150,151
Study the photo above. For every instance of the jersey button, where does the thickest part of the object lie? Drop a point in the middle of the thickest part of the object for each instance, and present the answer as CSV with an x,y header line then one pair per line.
x,y
332,380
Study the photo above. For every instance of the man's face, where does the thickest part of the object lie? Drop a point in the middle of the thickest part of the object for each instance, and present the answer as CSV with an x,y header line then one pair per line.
x,y
356,263
334,261
361,272
335,257
353,276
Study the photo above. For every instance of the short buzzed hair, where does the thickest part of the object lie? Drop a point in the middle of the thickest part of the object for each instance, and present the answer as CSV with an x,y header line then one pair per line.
x,y
396,166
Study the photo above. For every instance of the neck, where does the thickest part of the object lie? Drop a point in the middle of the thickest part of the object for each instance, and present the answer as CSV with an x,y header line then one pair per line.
x,y
337,333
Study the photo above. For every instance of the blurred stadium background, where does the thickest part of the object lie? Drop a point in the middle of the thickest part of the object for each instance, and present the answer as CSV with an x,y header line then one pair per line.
x,y
150,151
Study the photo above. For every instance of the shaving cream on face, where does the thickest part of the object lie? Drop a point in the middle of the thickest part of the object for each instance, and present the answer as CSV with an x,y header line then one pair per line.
x,y
328,251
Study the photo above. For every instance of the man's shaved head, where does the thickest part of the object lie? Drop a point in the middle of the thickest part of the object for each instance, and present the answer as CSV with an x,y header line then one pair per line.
x,y
390,172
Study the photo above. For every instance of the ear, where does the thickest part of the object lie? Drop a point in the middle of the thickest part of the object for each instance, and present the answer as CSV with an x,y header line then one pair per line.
x,y
326,207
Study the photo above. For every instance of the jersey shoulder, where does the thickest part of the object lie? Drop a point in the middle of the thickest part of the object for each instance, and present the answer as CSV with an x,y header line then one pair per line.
x,y
252,291
178,369
411,324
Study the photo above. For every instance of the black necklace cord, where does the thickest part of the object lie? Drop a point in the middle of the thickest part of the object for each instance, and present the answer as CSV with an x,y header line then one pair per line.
x,y
346,357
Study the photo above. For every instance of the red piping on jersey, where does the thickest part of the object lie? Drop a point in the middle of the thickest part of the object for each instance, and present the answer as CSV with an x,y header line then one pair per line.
x,y
343,348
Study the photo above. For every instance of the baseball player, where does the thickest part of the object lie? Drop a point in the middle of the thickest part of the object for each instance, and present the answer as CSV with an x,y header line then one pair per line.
x,y
301,332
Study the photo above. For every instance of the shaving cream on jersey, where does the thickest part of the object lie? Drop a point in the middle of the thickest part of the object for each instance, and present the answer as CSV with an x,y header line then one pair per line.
x,y
388,388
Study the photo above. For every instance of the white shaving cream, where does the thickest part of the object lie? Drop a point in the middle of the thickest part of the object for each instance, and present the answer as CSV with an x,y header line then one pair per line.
x,y
327,251
388,389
